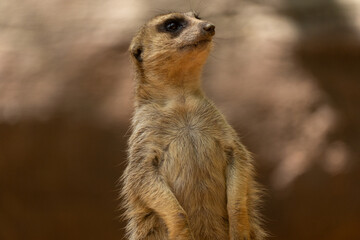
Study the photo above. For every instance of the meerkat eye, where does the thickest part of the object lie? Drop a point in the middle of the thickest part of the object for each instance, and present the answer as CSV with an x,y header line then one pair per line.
x,y
172,25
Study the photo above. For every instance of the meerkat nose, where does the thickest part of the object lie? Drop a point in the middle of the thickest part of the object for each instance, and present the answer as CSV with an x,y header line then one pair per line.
x,y
209,29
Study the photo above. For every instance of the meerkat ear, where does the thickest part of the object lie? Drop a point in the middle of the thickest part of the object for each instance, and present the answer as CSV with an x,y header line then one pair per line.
x,y
136,51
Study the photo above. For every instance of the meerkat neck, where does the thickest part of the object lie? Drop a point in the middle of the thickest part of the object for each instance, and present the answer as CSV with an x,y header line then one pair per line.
x,y
167,85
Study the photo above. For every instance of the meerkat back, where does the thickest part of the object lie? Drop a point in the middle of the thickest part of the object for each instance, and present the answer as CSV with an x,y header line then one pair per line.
x,y
188,176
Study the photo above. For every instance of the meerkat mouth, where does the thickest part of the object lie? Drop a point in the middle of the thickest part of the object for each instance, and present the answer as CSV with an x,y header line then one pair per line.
x,y
196,44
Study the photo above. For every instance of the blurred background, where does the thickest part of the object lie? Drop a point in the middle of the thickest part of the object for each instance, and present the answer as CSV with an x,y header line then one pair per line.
x,y
286,73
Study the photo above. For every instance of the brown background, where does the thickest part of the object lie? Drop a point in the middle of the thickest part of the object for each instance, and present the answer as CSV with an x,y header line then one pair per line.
x,y
285,73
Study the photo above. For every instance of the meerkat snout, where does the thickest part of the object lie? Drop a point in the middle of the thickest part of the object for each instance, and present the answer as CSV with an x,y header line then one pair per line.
x,y
209,29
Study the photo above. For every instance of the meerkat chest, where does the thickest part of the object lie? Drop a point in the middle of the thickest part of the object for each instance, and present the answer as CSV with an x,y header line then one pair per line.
x,y
190,137
194,127
190,132
193,159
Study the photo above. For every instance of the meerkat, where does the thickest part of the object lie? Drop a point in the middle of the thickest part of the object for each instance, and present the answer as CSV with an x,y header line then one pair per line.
x,y
188,176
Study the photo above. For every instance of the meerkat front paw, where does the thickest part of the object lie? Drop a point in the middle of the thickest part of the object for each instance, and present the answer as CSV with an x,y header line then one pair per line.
x,y
181,230
240,233
244,235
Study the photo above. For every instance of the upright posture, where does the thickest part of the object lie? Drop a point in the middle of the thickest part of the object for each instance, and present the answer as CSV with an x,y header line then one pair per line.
x,y
188,175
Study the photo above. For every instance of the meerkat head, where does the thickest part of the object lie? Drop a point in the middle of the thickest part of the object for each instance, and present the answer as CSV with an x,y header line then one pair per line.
x,y
172,43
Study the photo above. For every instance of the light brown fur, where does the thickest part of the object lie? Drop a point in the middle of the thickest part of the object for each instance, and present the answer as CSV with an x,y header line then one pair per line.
x,y
188,175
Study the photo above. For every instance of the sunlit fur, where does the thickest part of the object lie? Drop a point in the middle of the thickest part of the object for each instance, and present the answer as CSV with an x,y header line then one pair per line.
x,y
188,176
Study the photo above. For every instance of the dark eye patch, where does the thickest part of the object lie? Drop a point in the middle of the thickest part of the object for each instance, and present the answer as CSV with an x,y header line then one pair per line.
x,y
173,26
